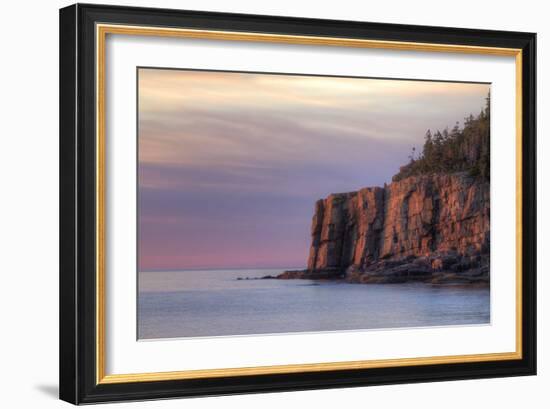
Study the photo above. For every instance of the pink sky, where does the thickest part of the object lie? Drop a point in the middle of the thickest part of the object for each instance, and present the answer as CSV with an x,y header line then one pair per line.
x,y
231,164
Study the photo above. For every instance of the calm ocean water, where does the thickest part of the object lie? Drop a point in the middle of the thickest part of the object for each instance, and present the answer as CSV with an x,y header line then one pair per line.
x,y
213,303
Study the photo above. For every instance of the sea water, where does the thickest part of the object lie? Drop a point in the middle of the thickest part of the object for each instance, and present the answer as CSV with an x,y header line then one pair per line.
x,y
206,303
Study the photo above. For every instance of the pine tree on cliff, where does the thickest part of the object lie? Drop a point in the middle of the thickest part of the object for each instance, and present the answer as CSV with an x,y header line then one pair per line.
x,y
465,149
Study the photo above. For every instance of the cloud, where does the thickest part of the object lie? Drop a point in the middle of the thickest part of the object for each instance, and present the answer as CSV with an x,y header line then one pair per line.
x,y
190,116
230,164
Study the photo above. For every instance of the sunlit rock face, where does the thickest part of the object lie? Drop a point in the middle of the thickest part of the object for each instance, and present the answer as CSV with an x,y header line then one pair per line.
x,y
430,227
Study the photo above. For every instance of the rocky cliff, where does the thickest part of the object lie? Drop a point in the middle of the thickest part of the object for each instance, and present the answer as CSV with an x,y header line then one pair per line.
x,y
427,228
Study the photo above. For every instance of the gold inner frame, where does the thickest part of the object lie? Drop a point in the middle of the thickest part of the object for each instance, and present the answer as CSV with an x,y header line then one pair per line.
x,y
101,33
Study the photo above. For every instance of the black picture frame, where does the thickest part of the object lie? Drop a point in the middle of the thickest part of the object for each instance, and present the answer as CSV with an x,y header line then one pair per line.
x,y
78,297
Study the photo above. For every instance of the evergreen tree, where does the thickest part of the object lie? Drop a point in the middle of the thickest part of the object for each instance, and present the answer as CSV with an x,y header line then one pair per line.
x,y
459,150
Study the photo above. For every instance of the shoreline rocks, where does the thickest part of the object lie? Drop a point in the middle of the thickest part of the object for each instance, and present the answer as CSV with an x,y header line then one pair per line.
x,y
429,228
401,271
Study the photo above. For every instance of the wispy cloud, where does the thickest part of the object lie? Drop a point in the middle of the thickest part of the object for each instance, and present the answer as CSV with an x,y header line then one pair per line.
x,y
221,153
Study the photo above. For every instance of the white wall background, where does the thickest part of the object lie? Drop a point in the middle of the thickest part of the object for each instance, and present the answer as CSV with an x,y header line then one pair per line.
x,y
29,203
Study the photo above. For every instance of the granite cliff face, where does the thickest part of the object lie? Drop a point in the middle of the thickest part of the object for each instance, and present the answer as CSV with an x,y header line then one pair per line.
x,y
425,228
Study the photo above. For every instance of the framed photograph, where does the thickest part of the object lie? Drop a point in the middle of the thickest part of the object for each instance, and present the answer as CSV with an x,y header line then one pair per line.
x,y
257,203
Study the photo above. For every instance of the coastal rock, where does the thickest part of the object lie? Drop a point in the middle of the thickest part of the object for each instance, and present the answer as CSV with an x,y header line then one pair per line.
x,y
346,229
324,274
417,228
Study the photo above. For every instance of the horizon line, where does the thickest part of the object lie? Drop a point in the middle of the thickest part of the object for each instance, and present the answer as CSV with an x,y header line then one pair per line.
x,y
216,268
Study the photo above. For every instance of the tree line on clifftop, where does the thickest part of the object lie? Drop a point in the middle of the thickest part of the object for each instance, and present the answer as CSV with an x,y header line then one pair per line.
x,y
465,149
